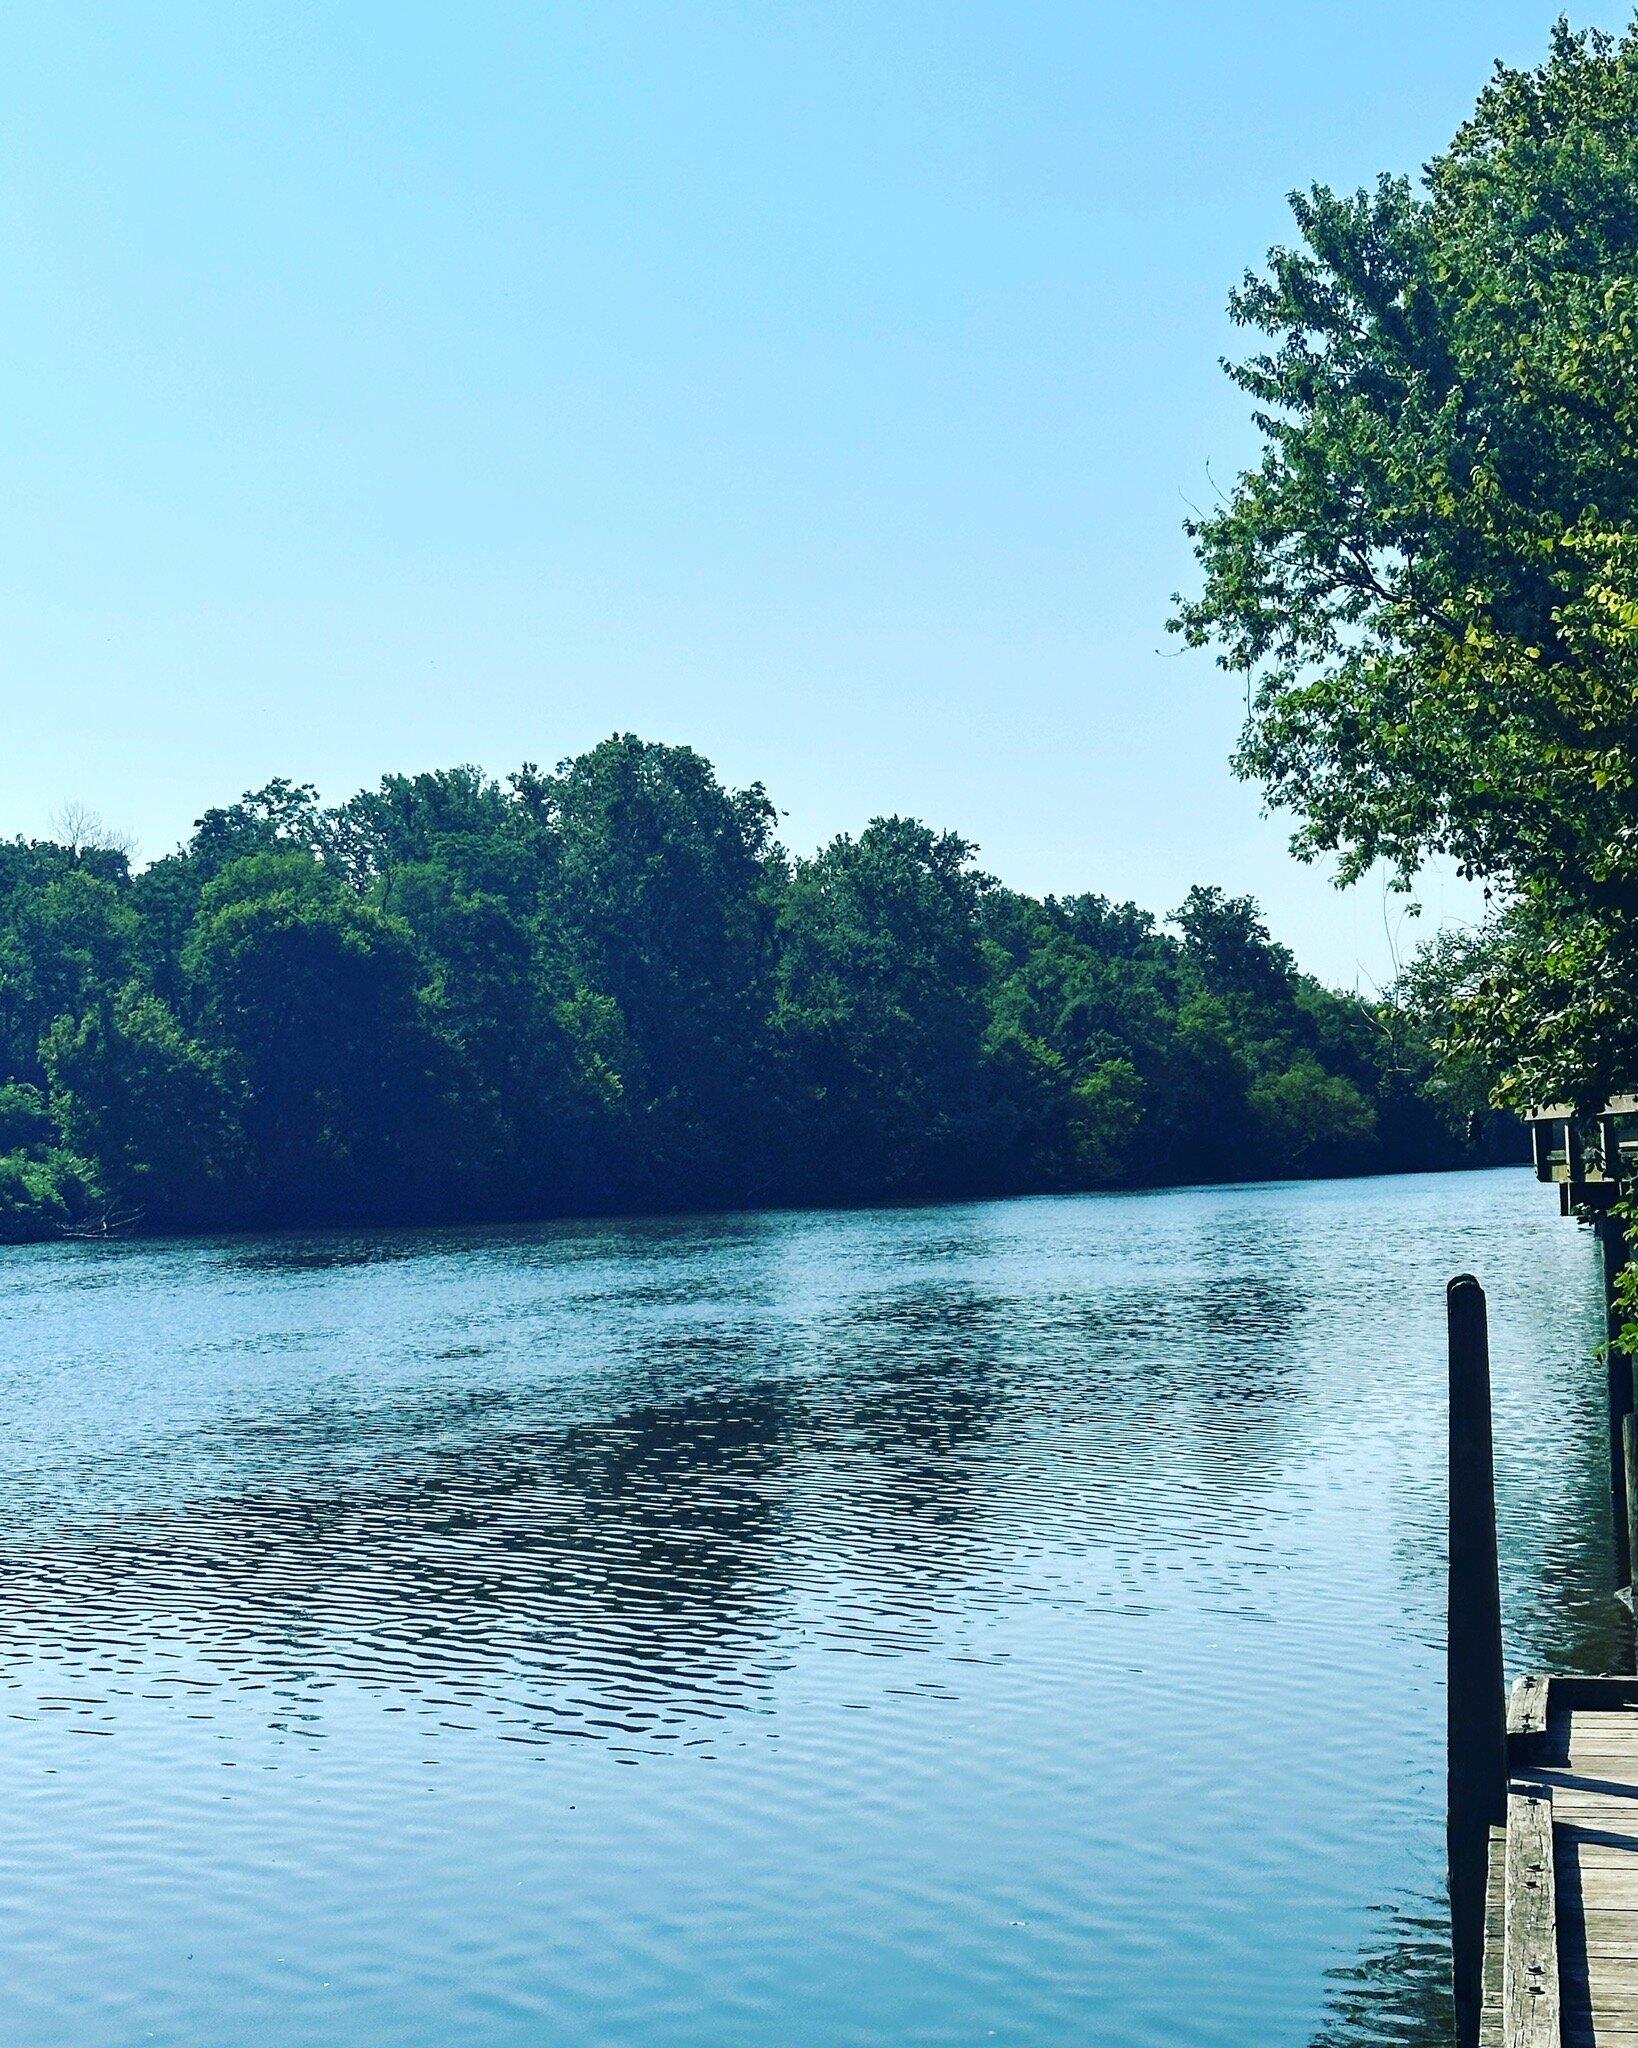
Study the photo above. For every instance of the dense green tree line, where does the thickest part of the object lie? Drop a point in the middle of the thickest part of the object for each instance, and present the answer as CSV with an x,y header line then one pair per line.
x,y
611,987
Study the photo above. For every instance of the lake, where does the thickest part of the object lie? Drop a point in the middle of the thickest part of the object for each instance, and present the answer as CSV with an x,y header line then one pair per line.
x,y
1011,1622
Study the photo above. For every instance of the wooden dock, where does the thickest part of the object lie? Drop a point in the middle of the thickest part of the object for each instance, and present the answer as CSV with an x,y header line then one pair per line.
x,y
1542,1822
1561,1908
1542,1815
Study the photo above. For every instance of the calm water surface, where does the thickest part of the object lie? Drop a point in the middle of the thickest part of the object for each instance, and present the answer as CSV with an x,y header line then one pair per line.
x,y
1014,1622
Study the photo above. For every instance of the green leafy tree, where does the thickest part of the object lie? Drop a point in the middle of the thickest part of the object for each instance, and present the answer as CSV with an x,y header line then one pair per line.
x,y
131,1093
1432,573
881,1006
281,817
455,819
1083,1019
1313,1121
66,940
660,902
311,999
25,1122
32,1205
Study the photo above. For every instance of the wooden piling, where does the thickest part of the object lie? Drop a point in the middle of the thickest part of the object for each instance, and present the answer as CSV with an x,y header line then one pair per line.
x,y
1629,1447
1618,1370
1476,1704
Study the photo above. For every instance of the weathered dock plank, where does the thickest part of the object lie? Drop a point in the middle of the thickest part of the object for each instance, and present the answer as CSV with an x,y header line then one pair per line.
x,y
1530,1987
1527,1707
1561,1903
1490,2014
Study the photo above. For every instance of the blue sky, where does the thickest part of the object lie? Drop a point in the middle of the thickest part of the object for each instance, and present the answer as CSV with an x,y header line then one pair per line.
x,y
822,385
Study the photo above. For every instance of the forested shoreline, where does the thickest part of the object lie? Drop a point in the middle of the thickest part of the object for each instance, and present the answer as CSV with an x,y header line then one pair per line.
x,y
610,988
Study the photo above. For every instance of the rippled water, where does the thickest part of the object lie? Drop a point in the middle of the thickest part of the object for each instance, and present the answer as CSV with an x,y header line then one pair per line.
x,y
1013,1622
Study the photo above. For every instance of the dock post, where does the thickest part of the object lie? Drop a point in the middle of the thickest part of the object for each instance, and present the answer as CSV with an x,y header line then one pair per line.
x,y
1476,1701
1629,1445
1618,1367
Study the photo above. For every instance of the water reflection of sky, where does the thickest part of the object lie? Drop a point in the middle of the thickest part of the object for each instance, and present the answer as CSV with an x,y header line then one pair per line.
x,y
1012,1621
